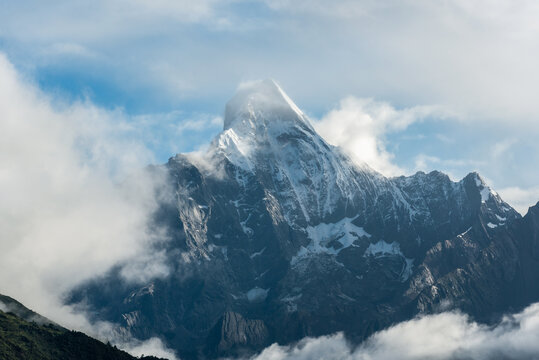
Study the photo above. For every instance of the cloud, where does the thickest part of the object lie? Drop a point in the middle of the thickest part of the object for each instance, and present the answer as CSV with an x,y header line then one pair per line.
x,y
427,163
520,198
118,18
200,123
68,49
502,147
346,9
444,138
449,335
359,126
3,307
64,217
166,134
477,58
153,346
423,162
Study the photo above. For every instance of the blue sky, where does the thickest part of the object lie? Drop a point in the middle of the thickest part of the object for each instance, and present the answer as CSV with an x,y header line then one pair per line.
x,y
458,78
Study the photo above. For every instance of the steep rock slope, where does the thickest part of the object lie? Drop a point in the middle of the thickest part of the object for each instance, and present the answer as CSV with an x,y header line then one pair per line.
x,y
277,235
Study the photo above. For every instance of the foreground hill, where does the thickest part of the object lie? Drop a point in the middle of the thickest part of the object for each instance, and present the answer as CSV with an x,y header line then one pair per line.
x,y
27,335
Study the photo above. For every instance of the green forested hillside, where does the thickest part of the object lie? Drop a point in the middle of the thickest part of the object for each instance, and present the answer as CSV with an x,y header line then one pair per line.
x,y
29,340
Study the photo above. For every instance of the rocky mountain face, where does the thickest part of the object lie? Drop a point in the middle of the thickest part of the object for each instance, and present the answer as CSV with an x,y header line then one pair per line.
x,y
277,235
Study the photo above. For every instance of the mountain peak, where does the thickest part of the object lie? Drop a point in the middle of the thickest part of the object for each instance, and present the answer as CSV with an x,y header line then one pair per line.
x,y
262,104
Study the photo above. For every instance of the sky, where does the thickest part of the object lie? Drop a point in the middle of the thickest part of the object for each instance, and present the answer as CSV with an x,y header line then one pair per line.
x,y
91,92
463,73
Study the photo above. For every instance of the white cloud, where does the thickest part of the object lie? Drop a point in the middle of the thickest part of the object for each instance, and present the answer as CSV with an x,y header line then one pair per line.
x,y
444,138
347,9
359,127
182,10
63,216
476,57
200,123
443,336
68,49
153,346
117,18
425,162
502,147
108,332
520,198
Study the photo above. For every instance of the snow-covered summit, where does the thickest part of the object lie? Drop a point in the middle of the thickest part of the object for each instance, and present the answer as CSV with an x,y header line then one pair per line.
x,y
263,105
268,138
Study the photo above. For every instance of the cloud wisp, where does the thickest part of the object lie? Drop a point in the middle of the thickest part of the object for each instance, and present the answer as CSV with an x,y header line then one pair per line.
x,y
445,336
359,126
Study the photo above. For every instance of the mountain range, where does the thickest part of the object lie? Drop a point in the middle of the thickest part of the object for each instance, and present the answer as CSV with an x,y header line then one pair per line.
x,y
276,235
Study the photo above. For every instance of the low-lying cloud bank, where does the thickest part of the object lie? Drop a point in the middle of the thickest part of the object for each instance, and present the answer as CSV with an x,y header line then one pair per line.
x,y
444,336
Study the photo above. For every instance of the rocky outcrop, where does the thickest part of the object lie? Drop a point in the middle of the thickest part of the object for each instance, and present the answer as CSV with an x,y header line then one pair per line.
x,y
233,332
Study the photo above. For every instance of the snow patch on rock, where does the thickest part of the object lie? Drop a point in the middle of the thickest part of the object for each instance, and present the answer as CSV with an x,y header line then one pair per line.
x,y
322,235
485,194
382,248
